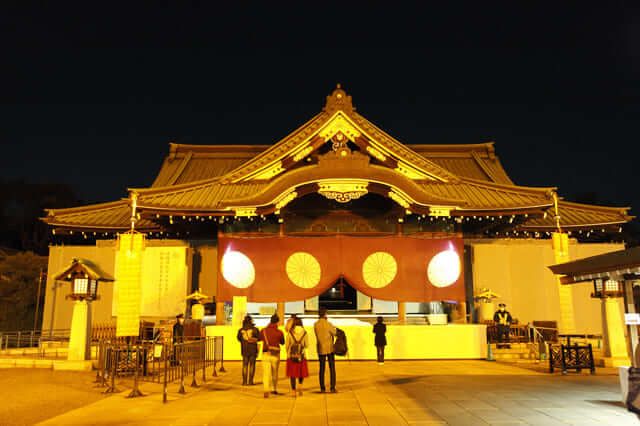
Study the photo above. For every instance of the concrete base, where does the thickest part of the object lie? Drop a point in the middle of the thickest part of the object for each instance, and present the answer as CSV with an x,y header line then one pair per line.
x,y
613,362
623,372
452,341
55,364
68,365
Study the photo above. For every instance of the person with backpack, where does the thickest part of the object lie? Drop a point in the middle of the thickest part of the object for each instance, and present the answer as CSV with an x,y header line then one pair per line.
x,y
325,332
248,338
296,345
380,330
290,323
271,338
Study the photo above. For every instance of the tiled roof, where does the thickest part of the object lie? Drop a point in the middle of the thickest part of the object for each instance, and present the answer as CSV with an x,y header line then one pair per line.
x,y
475,161
114,215
576,215
207,178
489,196
189,163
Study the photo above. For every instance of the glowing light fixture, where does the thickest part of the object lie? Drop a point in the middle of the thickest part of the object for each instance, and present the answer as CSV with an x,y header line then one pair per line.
x,y
238,269
444,268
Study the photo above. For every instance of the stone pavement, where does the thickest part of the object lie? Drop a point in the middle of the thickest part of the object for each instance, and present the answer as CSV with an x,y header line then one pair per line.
x,y
397,393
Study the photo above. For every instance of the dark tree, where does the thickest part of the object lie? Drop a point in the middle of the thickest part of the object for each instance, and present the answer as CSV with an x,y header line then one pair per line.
x,y
21,206
19,276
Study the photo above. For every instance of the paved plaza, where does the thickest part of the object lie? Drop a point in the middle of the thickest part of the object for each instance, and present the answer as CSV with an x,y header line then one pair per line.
x,y
397,393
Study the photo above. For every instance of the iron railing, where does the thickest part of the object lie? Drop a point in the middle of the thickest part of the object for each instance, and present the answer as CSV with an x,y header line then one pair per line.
x,y
571,357
161,363
31,338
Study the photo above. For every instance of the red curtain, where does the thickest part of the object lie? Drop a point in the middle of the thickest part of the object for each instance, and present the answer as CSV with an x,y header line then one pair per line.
x,y
340,255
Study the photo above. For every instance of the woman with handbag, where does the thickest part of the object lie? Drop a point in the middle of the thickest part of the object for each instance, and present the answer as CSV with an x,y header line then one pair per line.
x,y
271,338
296,345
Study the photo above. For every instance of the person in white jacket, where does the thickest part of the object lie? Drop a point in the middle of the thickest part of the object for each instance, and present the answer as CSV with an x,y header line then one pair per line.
x,y
296,343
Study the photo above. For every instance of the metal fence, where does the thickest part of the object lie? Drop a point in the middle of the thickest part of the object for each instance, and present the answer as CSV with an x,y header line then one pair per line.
x,y
571,357
162,363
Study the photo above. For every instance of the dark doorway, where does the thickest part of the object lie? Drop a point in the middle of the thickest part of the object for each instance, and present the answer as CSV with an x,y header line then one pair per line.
x,y
340,297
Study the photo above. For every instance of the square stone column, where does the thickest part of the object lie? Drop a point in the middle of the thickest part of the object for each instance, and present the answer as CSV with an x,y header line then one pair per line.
x,y
614,347
80,335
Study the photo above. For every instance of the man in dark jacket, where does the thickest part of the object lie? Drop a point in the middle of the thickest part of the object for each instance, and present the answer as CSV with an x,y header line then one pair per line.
x,y
178,336
271,338
248,337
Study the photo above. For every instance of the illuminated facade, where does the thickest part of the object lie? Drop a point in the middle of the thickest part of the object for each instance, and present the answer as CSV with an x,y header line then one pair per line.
x,y
340,206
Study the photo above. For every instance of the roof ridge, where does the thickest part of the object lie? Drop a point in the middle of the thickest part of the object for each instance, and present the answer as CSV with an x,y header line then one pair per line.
x,y
321,115
506,187
441,170
186,185
593,206
458,147
94,206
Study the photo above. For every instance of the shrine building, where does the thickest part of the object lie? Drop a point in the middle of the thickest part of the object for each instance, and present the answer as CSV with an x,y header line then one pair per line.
x,y
341,215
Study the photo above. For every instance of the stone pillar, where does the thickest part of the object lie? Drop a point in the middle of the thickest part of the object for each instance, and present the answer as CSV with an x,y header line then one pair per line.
x,y
80,335
560,244
281,312
402,312
220,316
239,310
614,347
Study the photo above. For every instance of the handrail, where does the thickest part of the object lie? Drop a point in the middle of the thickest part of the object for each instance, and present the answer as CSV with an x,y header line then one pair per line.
x,y
539,340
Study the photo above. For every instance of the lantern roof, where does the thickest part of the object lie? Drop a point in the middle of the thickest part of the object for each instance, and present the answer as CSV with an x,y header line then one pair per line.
x,y
92,270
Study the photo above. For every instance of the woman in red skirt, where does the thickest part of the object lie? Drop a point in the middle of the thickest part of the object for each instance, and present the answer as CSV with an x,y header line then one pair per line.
x,y
296,344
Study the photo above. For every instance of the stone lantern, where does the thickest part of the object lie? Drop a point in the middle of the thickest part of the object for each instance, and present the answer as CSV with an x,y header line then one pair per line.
x,y
83,277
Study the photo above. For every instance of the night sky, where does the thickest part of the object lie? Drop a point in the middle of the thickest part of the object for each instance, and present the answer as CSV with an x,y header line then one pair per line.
x,y
92,96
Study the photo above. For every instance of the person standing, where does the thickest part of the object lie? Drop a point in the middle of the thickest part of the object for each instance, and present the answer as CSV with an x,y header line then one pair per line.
x,y
177,338
380,330
290,323
296,345
325,333
503,321
248,337
271,338
178,329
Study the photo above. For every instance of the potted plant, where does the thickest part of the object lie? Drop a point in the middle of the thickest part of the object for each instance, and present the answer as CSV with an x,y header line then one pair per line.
x,y
485,305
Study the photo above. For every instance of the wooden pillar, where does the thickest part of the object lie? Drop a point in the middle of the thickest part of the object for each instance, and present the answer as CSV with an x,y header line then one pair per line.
x,y
462,311
281,312
239,310
402,312
220,316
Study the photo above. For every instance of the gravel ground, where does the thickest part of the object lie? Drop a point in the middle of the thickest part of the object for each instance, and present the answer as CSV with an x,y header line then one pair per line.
x,y
28,396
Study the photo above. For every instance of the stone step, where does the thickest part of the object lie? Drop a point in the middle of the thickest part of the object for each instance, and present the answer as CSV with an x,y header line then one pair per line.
x,y
512,356
510,351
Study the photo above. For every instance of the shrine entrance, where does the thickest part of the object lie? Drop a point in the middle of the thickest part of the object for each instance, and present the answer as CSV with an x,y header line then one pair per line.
x,y
341,296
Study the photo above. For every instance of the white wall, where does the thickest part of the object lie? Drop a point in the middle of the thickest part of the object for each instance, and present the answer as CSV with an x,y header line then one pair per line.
x,y
518,271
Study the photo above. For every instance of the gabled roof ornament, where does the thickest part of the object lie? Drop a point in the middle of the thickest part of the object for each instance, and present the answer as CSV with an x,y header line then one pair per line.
x,y
338,100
